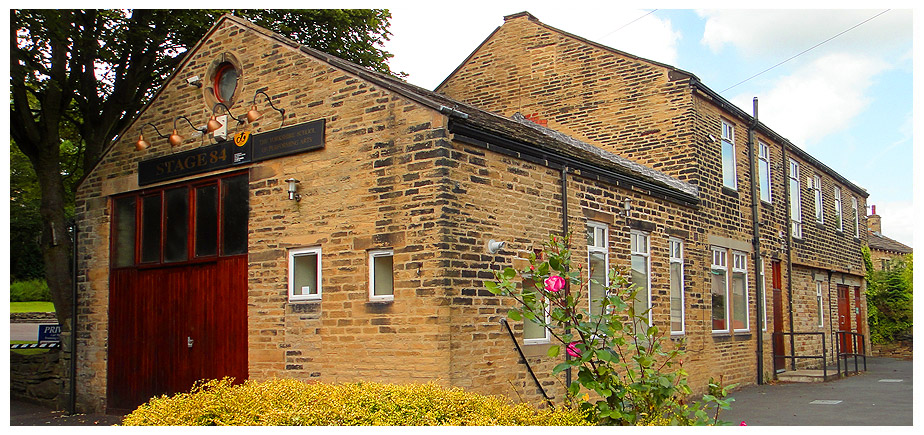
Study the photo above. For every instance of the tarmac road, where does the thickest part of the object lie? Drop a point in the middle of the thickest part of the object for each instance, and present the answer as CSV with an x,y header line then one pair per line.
x,y
24,331
881,396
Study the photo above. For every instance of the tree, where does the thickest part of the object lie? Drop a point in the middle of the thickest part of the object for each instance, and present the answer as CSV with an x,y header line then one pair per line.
x,y
889,299
83,75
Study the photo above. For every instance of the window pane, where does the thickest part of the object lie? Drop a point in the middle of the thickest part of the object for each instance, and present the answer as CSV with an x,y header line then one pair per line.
x,y
176,225
676,296
640,280
235,193
305,276
764,171
729,177
124,232
383,270
719,289
206,220
532,330
739,301
150,229
598,273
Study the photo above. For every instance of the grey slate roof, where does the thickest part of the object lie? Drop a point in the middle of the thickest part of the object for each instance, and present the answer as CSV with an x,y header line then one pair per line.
x,y
883,243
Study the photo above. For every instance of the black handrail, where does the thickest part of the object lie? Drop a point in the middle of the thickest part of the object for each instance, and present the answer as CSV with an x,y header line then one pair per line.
x,y
822,357
526,363
858,341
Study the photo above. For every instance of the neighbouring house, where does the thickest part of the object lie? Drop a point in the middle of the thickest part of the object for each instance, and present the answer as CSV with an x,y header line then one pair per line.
x,y
345,234
882,249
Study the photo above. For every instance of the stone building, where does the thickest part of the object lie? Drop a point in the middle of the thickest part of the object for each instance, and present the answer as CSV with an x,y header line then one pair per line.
x,y
883,250
763,199
344,234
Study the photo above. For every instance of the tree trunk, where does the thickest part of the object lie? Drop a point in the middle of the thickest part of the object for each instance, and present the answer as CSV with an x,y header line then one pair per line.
x,y
56,242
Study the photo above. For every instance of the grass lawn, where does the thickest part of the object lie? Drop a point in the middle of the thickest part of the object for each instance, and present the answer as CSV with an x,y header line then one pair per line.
x,y
32,307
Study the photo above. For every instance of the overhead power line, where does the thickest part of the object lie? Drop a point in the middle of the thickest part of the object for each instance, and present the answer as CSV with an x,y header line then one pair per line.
x,y
806,51
630,22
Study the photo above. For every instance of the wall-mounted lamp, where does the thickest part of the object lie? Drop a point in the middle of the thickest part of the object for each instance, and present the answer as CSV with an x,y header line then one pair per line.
x,y
627,206
143,144
495,246
213,123
254,114
293,184
175,138
194,81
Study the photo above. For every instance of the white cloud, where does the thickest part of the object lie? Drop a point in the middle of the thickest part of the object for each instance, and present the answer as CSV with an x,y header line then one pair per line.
x,y
818,99
778,34
650,37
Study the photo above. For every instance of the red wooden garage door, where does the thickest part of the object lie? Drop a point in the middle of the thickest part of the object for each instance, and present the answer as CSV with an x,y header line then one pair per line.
x,y
178,289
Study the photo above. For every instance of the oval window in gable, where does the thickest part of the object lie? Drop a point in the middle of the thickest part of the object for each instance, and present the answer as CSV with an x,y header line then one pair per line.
x,y
225,83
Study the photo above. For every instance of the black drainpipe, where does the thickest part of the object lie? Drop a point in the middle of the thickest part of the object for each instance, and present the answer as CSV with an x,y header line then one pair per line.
x,y
792,338
564,232
72,405
755,223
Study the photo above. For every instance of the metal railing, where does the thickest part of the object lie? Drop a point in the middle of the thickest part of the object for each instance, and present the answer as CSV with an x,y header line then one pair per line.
x,y
795,355
857,342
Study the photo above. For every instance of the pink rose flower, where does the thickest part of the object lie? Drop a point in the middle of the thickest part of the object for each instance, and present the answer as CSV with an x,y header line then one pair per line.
x,y
742,424
554,283
572,349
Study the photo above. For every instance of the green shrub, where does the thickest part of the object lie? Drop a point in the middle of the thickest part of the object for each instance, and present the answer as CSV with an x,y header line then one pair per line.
x,y
286,402
29,291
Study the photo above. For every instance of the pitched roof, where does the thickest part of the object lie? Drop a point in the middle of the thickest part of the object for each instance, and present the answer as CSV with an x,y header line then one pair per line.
x,y
878,241
516,129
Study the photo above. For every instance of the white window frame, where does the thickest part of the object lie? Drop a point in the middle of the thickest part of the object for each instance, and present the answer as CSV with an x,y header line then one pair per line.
x,y
739,265
598,229
635,237
296,252
763,290
675,259
819,301
728,137
795,199
764,171
856,217
373,254
547,337
819,199
720,262
839,208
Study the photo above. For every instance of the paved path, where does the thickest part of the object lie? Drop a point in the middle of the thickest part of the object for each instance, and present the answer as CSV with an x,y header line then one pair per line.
x,y
24,331
882,396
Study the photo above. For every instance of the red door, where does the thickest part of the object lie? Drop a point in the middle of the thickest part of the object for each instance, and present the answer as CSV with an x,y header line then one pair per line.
x,y
843,317
177,289
779,363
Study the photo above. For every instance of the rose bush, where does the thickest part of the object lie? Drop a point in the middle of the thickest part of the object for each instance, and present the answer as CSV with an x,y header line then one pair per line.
x,y
629,377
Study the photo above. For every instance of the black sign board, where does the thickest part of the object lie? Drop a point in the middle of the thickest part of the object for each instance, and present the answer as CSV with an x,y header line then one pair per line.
x,y
290,140
49,333
244,148
192,162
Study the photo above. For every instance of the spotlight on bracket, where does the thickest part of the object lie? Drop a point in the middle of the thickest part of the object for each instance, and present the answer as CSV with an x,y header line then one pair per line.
x,y
495,246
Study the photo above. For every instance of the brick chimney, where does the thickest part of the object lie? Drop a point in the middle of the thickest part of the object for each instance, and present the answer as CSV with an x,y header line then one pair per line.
x,y
874,221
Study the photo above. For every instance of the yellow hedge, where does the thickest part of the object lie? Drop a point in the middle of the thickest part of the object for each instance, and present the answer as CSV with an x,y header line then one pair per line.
x,y
286,402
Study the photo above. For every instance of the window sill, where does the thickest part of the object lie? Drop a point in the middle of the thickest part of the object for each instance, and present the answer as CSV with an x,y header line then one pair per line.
x,y
730,192
536,349
300,300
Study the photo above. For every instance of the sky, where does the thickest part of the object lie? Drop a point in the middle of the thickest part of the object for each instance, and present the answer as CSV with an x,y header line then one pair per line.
x,y
835,82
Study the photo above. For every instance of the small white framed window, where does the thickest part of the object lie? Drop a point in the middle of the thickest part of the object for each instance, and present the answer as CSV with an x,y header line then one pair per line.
x,y
819,208
534,333
641,274
305,274
856,218
675,248
795,199
764,171
739,292
719,272
838,209
598,263
819,303
729,167
763,294
381,275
